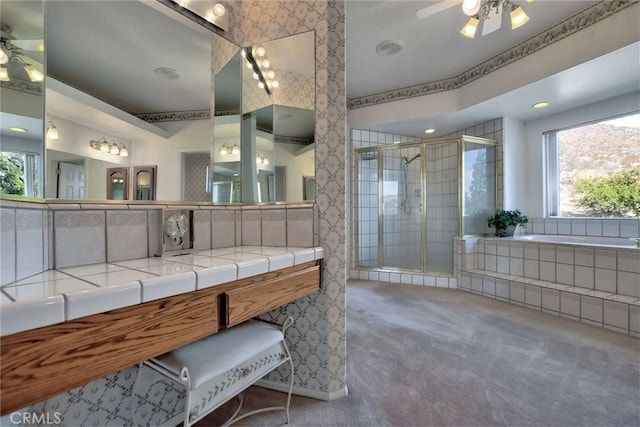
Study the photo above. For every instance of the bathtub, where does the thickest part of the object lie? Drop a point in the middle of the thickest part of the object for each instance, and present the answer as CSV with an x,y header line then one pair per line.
x,y
609,242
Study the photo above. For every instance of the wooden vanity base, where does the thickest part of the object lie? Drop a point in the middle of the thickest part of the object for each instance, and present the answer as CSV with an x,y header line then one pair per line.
x,y
44,362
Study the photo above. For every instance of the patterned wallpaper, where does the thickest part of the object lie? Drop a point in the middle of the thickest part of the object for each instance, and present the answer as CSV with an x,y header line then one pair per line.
x,y
296,90
318,337
195,165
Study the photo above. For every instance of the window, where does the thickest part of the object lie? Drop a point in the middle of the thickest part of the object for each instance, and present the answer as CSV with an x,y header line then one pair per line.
x,y
19,174
593,170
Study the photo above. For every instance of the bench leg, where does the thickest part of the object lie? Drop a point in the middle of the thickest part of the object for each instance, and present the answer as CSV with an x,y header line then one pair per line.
x,y
285,408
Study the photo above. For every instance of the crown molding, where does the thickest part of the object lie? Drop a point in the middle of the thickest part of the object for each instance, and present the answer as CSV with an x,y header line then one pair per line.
x,y
221,113
569,26
293,140
174,116
24,86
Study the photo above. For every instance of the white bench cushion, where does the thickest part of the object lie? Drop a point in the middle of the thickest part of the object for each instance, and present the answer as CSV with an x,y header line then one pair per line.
x,y
214,355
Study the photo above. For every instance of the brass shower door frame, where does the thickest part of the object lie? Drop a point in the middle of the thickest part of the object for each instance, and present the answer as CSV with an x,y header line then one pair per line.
x,y
460,141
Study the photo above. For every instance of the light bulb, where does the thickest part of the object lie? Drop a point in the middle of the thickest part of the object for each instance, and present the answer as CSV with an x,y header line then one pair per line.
x,y
249,65
4,74
260,51
4,54
114,149
255,76
266,63
261,85
123,151
219,10
271,74
265,161
275,83
104,146
210,15
471,7
258,160
184,3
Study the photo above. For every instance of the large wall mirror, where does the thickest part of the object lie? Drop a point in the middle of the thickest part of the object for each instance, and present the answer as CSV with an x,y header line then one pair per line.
x,y
130,84
21,94
265,144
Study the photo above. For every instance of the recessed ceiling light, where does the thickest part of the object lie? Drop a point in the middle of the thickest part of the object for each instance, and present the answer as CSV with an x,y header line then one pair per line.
x,y
19,130
389,47
167,73
429,130
542,104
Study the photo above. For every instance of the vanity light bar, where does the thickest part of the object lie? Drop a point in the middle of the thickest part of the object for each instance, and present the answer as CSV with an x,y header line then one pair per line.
x,y
253,64
109,147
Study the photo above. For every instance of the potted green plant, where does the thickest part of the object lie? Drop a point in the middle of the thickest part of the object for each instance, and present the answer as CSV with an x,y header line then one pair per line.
x,y
506,221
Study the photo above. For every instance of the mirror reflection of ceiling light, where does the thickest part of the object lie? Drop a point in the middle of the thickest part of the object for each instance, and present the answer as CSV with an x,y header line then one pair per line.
x,y
229,149
4,54
429,130
541,104
18,130
34,74
109,147
216,14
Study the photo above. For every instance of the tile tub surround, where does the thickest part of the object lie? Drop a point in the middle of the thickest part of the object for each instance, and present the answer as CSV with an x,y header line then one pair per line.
x,y
73,292
595,285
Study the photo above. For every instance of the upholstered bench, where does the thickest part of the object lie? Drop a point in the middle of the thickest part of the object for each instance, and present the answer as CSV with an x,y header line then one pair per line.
x,y
212,371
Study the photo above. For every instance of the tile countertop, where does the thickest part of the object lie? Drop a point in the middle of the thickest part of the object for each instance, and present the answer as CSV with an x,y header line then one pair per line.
x,y
73,292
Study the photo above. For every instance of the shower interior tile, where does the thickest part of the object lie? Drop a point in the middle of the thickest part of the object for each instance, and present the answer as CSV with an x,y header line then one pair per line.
x,y
516,292
584,256
489,286
533,296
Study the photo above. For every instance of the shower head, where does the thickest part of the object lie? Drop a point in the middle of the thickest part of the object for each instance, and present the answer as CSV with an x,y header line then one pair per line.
x,y
407,161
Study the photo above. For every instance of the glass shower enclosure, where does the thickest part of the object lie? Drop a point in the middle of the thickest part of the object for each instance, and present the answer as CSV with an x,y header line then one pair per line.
x,y
413,198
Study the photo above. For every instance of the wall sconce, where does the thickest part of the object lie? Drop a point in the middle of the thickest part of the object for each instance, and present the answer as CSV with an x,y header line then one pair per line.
x,y
52,131
109,147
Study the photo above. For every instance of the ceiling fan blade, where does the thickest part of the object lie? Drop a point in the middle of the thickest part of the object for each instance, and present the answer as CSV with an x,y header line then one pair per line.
x,y
36,45
493,21
436,8
34,62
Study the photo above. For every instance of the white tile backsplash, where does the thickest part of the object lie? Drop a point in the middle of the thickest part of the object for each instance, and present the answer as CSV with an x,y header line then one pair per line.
x,y
7,245
79,237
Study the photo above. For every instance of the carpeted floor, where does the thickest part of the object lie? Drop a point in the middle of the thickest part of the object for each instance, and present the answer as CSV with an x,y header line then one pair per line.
x,y
421,356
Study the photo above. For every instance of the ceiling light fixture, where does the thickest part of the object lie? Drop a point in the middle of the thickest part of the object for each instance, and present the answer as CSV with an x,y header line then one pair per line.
x,y
10,52
429,130
490,13
52,131
389,47
541,104
18,130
